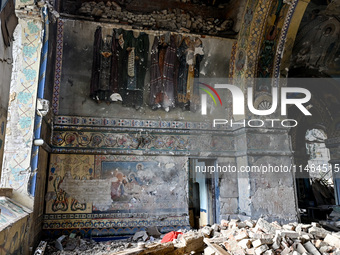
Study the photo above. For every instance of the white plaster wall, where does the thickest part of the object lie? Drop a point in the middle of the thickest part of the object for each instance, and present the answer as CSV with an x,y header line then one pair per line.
x,y
16,170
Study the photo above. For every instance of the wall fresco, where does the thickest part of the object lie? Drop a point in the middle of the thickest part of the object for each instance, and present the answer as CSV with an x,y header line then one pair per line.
x,y
79,167
146,141
156,183
142,191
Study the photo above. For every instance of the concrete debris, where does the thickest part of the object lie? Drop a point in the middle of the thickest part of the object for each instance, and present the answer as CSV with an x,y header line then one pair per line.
x,y
153,231
230,237
78,245
40,250
176,20
58,243
141,235
262,237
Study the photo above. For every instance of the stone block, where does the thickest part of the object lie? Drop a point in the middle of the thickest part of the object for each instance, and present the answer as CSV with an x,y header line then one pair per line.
x,y
245,243
241,235
192,242
233,247
250,251
276,242
250,223
318,232
299,248
311,248
265,226
332,240
261,249
159,249
288,227
257,243
288,233
326,249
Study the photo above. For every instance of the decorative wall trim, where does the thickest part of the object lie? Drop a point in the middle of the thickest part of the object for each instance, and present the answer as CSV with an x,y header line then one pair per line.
x,y
144,142
108,215
129,123
112,227
232,60
114,223
255,37
283,38
58,65
118,124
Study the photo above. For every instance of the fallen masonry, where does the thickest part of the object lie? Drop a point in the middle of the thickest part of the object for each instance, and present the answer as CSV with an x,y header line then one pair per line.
x,y
176,20
229,237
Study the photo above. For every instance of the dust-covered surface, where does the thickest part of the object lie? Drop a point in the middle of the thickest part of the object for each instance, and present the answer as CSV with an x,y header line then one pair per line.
x,y
229,237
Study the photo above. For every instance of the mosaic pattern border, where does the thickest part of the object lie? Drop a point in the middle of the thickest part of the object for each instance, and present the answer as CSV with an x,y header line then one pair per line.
x,y
133,123
58,66
136,141
107,215
114,223
232,60
283,37
255,37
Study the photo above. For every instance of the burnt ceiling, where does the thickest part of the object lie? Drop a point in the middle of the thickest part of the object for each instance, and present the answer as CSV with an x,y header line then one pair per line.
x,y
317,45
213,17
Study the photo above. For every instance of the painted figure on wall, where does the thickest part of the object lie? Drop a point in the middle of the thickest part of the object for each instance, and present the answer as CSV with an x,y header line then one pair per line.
x,y
123,186
104,79
324,46
162,73
117,185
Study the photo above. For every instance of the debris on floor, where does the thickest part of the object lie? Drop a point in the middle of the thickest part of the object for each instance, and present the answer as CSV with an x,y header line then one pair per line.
x,y
229,237
40,250
262,237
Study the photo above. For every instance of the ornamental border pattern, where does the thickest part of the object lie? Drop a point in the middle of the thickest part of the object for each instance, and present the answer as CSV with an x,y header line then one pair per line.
x,y
255,37
108,215
232,60
114,223
283,38
127,123
58,66
144,142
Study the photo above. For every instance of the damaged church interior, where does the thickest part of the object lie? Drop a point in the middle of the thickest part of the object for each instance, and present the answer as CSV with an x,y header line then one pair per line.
x,y
170,127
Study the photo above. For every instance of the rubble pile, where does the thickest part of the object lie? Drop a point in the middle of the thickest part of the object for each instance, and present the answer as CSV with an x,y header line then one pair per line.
x,y
172,20
262,237
230,237
77,246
